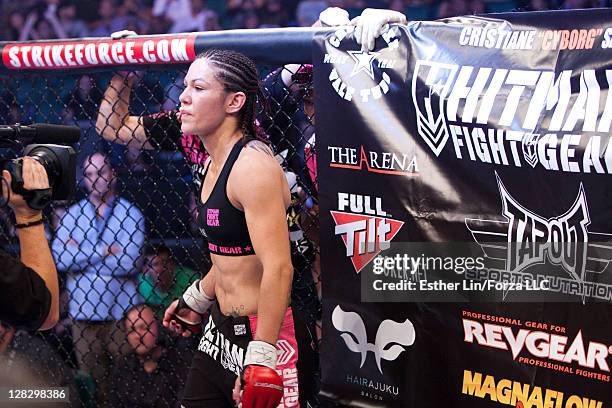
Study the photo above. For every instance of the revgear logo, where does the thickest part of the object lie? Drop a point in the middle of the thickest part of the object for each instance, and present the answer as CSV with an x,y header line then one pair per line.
x,y
368,68
525,239
458,103
392,337
366,230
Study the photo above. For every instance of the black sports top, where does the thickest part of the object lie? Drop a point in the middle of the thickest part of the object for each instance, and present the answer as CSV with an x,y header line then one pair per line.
x,y
223,224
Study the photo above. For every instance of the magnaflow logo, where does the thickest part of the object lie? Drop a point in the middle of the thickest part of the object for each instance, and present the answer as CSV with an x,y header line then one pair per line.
x,y
538,121
525,239
367,79
392,338
365,228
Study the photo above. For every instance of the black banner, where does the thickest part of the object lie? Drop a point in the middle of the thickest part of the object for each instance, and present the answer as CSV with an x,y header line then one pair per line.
x,y
493,133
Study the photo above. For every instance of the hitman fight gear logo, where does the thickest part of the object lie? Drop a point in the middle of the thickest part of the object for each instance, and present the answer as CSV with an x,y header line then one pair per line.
x,y
367,79
431,123
513,117
526,239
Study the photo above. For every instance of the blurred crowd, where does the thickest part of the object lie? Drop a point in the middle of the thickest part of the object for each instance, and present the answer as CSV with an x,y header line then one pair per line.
x,y
48,19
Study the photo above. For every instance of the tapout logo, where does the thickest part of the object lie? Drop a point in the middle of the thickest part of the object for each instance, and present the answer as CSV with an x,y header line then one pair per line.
x,y
525,239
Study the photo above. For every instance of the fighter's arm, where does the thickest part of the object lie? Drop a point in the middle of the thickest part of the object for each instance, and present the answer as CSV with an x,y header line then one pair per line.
x,y
263,200
114,122
200,295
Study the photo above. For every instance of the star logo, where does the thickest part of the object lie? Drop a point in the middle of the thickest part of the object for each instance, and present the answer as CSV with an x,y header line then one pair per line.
x,y
363,62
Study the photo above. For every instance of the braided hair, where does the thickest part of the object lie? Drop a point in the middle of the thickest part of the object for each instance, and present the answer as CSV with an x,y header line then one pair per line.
x,y
238,73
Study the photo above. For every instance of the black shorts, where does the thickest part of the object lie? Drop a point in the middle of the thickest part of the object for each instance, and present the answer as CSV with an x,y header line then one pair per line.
x,y
220,355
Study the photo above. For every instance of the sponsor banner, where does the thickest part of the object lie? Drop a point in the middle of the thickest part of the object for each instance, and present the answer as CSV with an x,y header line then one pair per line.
x,y
488,139
83,53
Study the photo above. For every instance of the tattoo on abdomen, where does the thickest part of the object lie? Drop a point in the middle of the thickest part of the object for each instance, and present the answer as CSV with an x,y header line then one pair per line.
x,y
237,311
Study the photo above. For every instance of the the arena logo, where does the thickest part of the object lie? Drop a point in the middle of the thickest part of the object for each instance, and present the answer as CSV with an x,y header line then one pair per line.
x,y
392,338
539,344
367,79
456,103
366,230
525,239
350,158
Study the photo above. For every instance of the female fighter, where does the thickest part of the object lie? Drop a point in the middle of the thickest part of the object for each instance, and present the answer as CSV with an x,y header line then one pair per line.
x,y
242,212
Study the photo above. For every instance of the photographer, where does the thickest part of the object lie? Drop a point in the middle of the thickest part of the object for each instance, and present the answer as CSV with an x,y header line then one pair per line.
x,y
29,293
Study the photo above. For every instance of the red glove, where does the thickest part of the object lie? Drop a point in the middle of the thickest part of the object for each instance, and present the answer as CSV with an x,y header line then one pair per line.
x,y
261,384
262,387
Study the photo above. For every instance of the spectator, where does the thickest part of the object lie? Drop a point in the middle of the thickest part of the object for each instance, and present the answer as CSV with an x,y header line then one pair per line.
x,y
237,11
43,25
538,5
109,22
98,244
451,8
16,23
150,375
308,11
162,281
84,99
397,5
183,15
274,14
251,20
73,26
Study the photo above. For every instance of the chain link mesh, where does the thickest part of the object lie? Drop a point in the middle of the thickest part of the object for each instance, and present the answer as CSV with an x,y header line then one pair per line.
x,y
121,268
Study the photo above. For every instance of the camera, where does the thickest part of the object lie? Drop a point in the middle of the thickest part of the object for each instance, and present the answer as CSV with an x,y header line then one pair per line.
x,y
43,142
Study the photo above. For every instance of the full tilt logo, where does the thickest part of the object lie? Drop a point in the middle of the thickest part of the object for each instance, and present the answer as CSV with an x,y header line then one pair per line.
x,y
364,226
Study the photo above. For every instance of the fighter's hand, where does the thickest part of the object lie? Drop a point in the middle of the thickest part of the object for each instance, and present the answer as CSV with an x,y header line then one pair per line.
x,y
372,23
334,17
259,386
118,35
34,178
172,320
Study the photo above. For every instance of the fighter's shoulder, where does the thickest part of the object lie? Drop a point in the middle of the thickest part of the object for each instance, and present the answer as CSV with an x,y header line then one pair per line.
x,y
256,164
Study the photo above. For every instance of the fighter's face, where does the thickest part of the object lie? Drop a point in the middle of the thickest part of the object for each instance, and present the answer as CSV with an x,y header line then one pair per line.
x,y
203,100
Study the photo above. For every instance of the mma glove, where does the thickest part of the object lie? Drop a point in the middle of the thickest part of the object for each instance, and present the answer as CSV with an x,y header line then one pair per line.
x,y
372,23
261,385
195,300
